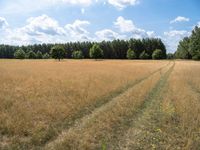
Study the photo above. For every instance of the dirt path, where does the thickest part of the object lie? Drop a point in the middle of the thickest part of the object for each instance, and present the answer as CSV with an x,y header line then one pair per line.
x,y
142,131
83,121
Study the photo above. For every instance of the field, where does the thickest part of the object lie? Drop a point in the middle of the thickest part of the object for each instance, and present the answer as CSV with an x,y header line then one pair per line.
x,y
109,104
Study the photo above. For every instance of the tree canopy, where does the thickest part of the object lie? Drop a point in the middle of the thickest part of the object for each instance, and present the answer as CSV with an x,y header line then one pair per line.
x,y
58,52
116,49
189,47
96,52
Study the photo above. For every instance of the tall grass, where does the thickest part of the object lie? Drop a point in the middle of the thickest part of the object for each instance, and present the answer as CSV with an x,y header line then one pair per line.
x,y
37,95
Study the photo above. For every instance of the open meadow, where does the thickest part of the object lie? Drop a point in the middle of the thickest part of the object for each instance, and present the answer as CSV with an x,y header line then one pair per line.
x,y
107,104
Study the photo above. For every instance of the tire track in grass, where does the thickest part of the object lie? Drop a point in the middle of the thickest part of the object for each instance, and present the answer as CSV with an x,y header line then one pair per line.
x,y
148,115
103,102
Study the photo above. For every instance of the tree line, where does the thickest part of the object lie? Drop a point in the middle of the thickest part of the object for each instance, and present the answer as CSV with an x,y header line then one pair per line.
x,y
189,47
148,48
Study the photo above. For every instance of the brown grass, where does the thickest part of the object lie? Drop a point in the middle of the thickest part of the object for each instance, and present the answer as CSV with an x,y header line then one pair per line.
x,y
87,104
36,95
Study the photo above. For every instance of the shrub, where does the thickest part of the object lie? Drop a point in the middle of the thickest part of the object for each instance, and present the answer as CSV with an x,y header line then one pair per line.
x,y
31,55
157,54
96,52
46,56
19,54
144,55
77,55
58,52
130,54
39,55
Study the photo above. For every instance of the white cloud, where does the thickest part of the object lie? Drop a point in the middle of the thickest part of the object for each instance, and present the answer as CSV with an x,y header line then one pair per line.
x,y
180,19
172,38
3,23
77,30
127,26
175,33
198,24
107,35
121,4
43,25
124,25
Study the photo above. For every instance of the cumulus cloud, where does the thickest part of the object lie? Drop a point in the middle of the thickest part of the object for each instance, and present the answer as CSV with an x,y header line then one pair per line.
x,y
121,4
108,35
3,23
44,29
43,25
198,24
175,33
124,25
180,19
172,38
127,26
77,30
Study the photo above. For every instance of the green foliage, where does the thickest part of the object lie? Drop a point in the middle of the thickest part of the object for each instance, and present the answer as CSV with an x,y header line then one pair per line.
x,y
189,47
116,49
144,55
157,54
58,52
77,55
194,45
39,55
31,55
96,52
183,49
130,54
170,56
19,54
46,56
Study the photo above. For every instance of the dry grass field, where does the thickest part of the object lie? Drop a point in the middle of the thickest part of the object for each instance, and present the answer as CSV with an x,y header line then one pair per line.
x,y
109,104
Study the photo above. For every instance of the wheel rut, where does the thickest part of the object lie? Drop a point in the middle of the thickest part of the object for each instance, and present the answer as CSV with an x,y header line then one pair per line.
x,y
132,130
85,113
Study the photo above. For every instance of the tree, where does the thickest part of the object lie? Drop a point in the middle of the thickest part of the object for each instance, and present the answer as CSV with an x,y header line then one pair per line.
x,y
58,52
19,54
39,55
157,54
194,45
183,49
46,56
31,55
130,54
96,52
170,56
77,55
144,55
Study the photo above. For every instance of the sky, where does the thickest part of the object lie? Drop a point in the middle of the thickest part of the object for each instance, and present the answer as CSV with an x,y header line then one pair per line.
x,y
24,22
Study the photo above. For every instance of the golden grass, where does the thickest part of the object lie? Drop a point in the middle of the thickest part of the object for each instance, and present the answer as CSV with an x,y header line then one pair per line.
x,y
35,95
182,105
99,128
40,98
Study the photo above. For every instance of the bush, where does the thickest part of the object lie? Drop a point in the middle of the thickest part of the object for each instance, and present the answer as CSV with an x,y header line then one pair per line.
x,y
144,55
170,56
157,54
19,54
39,55
96,52
58,52
77,55
31,55
46,56
196,57
130,54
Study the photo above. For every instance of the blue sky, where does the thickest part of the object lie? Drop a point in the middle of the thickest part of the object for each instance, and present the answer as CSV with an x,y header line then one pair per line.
x,y
25,22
